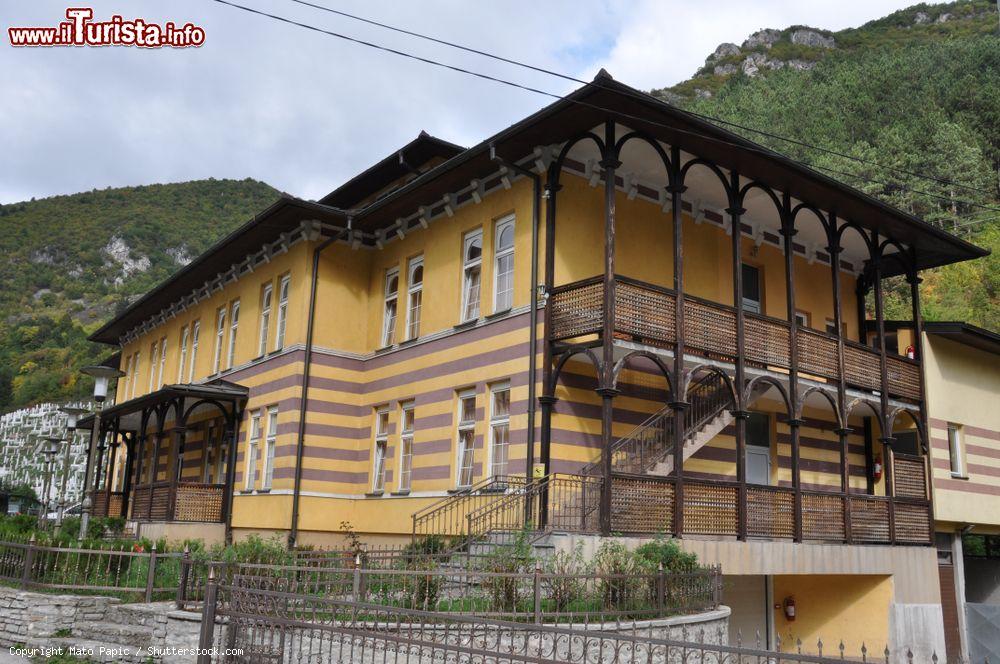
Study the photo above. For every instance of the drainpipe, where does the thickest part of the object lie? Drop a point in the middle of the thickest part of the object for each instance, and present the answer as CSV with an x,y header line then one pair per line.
x,y
306,373
533,315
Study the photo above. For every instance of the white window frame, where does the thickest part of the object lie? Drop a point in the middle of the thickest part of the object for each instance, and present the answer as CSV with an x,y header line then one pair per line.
x,y
406,427
195,334
414,298
956,459
220,339
265,318
496,421
135,373
128,377
390,307
465,462
498,256
234,324
163,359
283,287
472,266
154,350
380,449
185,332
253,442
270,441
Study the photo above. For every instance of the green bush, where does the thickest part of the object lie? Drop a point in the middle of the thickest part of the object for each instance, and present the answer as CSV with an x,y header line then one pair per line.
x,y
513,562
668,553
621,574
561,583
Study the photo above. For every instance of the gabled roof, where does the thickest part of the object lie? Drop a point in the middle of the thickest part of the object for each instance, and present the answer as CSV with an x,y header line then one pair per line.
x,y
964,333
411,159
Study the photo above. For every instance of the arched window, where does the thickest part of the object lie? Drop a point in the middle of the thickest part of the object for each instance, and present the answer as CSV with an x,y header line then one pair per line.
x,y
503,272
415,288
472,265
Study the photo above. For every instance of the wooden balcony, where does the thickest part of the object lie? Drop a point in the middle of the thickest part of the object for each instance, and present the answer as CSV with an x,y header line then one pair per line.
x,y
645,504
192,501
106,503
644,313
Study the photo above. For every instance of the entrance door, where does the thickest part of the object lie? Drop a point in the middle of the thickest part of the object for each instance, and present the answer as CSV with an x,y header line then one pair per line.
x,y
758,449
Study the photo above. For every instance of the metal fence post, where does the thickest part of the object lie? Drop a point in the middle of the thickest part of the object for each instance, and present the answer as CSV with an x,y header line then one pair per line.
x,y
29,560
661,588
150,574
205,637
185,573
538,593
356,590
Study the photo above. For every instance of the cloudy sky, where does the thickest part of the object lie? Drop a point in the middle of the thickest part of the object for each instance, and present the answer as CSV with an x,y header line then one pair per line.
x,y
304,111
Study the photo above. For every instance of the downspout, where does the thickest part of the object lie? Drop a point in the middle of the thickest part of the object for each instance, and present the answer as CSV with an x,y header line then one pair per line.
x,y
533,311
293,533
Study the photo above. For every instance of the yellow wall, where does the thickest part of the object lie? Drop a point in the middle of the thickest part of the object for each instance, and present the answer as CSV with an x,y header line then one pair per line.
x,y
962,388
854,608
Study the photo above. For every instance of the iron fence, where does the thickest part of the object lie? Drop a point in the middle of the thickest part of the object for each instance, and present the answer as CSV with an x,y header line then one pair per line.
x,y
252,624
132,573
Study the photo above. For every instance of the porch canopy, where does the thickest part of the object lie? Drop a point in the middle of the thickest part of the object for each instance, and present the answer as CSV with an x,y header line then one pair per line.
x,y
186,400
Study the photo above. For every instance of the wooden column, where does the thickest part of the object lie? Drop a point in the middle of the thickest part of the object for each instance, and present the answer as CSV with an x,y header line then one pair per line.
x,y
678,399
154,468
735,215
232,434
788,233
609,163
130,452
918,344
834,249
845,480
112,457
547,399
886,438
175,468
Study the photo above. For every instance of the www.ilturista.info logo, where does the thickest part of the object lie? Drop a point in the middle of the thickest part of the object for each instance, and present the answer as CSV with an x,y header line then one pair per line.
x,y
80,30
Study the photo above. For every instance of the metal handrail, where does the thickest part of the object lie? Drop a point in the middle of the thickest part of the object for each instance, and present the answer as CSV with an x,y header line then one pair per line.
x,y
438,511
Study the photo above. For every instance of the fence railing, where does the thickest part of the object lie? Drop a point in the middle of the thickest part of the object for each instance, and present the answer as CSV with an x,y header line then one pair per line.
x,y
270,624
447,517
131,573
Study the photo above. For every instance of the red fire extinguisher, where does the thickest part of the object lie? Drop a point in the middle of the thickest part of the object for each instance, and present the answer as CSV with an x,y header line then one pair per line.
x,y
911,352
877,468
789,607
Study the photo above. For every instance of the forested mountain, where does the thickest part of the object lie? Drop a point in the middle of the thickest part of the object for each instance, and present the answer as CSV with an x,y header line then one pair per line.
x,y
69,262
912,99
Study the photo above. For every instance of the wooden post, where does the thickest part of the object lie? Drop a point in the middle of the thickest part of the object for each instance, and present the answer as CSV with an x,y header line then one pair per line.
x,y
176,468
205,636
845,481
678,399
154,469
918,345
537,588
29,561
794,421
130,451
736,211
886,438
609,163
233,434
185,573
151,574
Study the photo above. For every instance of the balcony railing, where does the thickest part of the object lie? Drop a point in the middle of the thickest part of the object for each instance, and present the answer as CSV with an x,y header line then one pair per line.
x,y
644,313
194,501
106,503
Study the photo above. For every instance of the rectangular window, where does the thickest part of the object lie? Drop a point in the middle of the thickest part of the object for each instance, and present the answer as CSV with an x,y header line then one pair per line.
x,y
279,337
128,378
252,444
234,323
163,360
406,447
265,319
802,318
184,351
751,289
153,350
466,437
220,334
389,311
503,271
499,429
831,327
135,374
472,266
195,333
415,290
269,444
955,450
381,445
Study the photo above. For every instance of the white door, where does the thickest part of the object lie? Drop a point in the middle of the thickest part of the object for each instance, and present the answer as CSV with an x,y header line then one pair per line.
x,y
758,464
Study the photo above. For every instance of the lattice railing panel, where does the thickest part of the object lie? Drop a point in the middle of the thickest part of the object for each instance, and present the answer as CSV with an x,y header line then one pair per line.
x,y
823,517
140,502
869,519
199,502
909,476
912,522
766,341
710,509
160,500
644,313
817,353
861,366
770,512
641,505
709,328
904,378
578,310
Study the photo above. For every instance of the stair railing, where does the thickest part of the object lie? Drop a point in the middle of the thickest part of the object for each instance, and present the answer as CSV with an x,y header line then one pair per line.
x,y
446,517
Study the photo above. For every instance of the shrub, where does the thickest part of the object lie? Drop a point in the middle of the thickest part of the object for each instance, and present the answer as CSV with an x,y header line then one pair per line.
x,y
668,553
621,574
510,563
561,586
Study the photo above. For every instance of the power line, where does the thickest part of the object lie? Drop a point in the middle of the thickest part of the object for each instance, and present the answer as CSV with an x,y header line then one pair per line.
x,y
566,77
763,151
